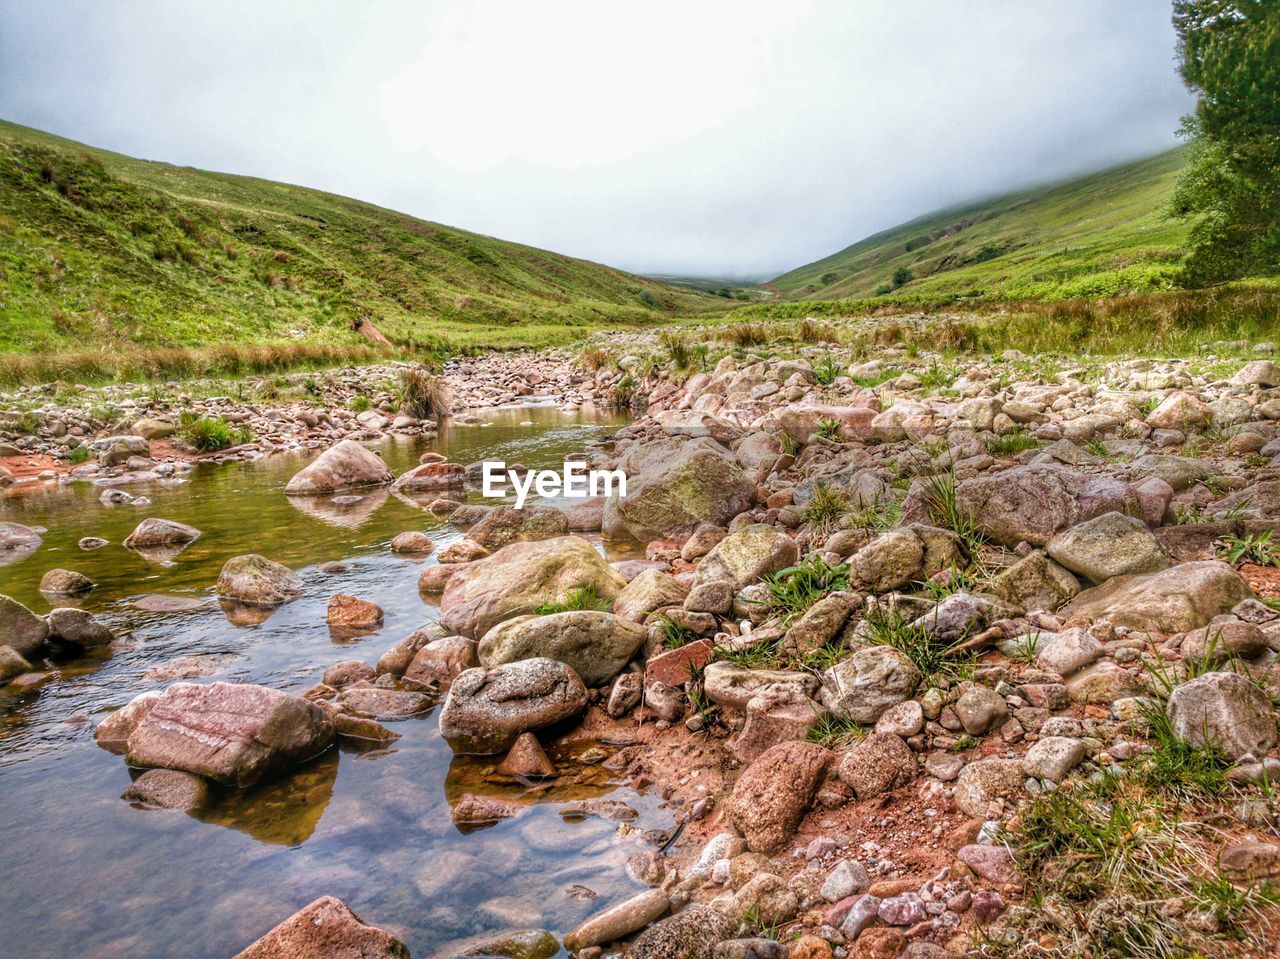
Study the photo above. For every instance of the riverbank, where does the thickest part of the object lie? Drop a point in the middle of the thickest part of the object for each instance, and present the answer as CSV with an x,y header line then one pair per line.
x,y
894,637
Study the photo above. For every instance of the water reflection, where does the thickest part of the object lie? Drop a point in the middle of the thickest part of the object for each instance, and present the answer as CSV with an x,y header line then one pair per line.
x,y
85,873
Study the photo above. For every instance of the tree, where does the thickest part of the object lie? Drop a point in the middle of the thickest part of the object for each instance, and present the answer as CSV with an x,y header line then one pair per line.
x,y
902,275
1230,56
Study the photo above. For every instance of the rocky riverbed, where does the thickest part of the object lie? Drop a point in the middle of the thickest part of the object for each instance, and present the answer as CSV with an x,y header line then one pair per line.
x,y
924,656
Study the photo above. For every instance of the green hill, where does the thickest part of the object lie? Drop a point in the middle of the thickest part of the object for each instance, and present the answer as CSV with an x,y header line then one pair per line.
x,y
101,251
1097,235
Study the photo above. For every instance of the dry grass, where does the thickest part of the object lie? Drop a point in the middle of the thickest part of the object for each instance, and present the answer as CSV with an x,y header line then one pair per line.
x,y
94,366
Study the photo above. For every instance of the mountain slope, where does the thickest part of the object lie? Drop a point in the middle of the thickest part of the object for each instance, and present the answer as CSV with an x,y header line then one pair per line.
x,y
100,250
1096,235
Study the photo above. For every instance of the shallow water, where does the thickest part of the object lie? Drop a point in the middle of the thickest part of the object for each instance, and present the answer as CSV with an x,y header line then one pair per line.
x,y
84,873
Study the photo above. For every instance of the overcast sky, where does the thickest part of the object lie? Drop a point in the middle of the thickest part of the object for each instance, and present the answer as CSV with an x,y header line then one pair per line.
x,y
692,137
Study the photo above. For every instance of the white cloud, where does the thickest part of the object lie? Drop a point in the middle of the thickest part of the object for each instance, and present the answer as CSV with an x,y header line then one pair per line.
x,y
695,137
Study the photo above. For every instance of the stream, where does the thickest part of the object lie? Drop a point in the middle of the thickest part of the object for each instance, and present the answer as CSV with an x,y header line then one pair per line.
x,y
85,873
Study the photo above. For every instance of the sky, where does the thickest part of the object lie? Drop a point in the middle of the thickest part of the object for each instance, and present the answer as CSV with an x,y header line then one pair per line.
x,y
697,138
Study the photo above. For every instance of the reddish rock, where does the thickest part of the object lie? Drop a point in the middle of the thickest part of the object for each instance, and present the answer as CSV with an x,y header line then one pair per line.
x,y
675,667
1250,861
442,660
232,733
418,544
774,792
809,947
433,579
879,943
326,929
527,759
431,476
473,810
167,789
993,863
351,612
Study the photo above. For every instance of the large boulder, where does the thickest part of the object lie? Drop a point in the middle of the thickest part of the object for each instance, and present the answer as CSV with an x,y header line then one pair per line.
x,y
232,733
78,626
505,525
1032,503
20,628
1035,582
326,929
1181,598
431,476
673,495
1224,711
343,466
1112,544
597,645
17,542
257,581
773,793
868,683
742,558
518,578
153,531
488,708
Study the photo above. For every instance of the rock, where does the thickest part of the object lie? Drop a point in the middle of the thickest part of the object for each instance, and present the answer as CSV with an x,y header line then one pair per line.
x,y
750,949
822,621
527,759
431,476
462,551
113,733
846,878
168,789
869,682
113,450
1178,411
1053,757
347,673
959,616
344,466
905,719
775,716
351,612
519,944
673,495
1224,711
21,629
12,663
1108,545
520,577
152,532
905,909
691,933
877,764
1103,682
257,581
1068,652
374,702
88,543
879,944
1250,862
732,686
412,542
992,863
78,626
1257,373
504,525
618,921
773,793
767,897
442,660
651,590
65,582
1220,641
154,429
800,421
904,555
676,667
1033,503
232,733
981,710
1261,501
488,708
745,556
475,812
597,645
664,701
1035,582
1181,598
985,780
326,929
434,579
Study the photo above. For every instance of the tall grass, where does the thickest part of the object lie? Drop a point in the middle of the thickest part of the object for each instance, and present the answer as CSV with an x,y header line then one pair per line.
x,y
96,366
421,395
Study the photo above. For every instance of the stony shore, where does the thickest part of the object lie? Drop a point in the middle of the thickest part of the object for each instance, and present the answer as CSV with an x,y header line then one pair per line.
x,y
910,633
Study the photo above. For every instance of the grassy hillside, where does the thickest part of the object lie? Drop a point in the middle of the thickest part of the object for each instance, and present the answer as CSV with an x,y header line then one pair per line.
x,y
1098,235
101,251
